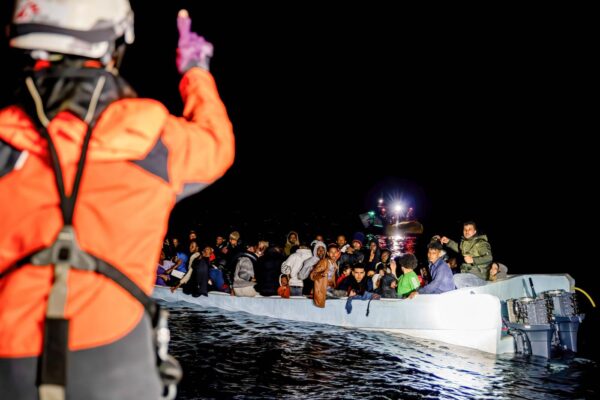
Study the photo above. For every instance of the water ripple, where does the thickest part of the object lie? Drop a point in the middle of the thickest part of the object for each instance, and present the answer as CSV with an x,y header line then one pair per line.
x,y
242,356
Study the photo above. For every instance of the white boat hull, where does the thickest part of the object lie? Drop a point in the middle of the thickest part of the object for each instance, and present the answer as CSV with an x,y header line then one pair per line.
x,y
469,317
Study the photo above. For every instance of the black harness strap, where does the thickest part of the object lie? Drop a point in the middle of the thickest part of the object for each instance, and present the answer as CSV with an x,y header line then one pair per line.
x,y
104,268
134,290
67,203
65,254
10,269
53,361
52,370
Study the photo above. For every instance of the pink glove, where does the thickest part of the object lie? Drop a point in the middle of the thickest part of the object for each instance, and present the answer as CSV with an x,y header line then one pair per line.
x,y
192,50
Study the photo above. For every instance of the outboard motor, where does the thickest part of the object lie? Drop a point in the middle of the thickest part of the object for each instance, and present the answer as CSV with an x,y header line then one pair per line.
x,y
565,315
530,324
535,322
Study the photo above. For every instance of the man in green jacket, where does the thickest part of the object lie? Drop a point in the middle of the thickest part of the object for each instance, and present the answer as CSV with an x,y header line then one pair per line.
x,y
475,249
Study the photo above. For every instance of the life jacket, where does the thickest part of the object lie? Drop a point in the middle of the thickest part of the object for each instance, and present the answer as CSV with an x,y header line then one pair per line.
x,y
139,161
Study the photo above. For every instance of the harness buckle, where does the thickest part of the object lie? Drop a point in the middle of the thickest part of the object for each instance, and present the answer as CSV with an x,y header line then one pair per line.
x,y
65,250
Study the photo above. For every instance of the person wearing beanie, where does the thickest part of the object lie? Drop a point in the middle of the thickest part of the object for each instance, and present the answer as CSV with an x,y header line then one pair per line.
x,y
358,240
233,245
360,237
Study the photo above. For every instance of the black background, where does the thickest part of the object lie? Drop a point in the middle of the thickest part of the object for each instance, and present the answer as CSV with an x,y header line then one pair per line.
x,y
466,116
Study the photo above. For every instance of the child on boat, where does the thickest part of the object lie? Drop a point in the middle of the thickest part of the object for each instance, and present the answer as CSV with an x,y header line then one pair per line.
x,y
284,287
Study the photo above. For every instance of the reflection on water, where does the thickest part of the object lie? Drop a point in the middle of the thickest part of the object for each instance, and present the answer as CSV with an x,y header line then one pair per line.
x,y
244,356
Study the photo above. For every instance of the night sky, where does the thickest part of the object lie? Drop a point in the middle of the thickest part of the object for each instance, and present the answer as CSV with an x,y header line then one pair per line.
x,y
462,118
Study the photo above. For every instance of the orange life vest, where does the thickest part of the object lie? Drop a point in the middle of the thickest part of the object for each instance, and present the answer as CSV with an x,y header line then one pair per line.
x,y
121,213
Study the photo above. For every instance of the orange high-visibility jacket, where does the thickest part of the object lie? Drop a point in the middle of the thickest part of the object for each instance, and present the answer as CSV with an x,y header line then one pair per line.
x,y
140,158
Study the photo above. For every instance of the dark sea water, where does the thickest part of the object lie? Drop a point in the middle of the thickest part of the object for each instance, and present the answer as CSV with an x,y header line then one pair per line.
x,y
237,355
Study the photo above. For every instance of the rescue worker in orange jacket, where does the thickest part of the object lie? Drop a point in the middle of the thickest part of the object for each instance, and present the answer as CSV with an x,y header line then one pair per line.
x,y
91,172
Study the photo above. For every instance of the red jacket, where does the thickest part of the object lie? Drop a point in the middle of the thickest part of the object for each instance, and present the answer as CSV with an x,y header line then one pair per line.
x,y
284,291
122,209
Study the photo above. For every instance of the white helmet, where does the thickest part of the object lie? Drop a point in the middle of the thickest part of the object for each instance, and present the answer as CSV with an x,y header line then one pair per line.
x,y
88,28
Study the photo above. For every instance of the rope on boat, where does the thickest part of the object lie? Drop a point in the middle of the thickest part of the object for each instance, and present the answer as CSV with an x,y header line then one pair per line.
x,y
369,305
586,295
